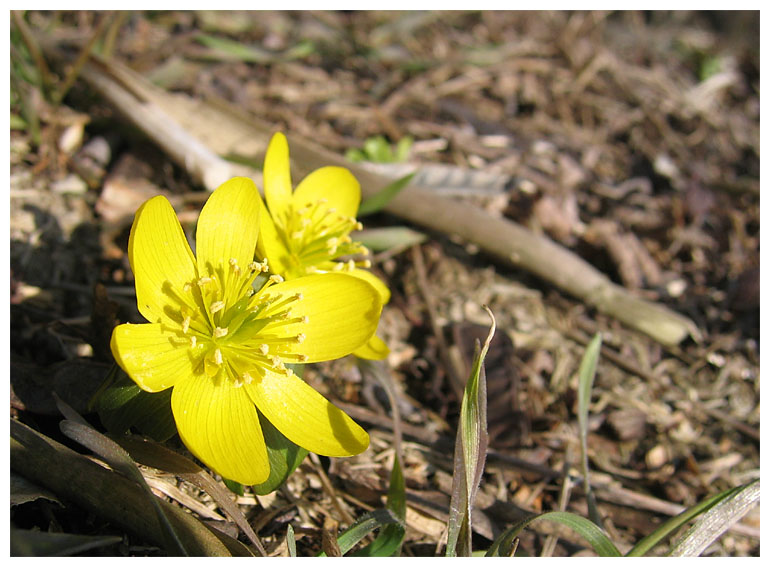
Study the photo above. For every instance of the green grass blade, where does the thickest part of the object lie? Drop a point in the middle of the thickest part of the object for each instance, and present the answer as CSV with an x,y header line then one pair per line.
x,y
363,526
378,201
291,542
586,377
592,533
224,49
717,520
671,525
470,454
389,539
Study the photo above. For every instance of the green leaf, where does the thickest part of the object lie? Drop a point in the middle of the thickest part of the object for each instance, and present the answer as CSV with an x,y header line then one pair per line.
x,y
121,462
34,543
585,384
17,122
284,457
378,150
671,525
389,540
122,405
402,148
389,238
363,526
355,155
717,520
592,533
379,200
152,454
470,454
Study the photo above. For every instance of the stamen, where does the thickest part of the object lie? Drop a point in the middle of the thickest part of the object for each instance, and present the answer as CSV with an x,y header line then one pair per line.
x,y
247,379
275,278
219,332
186,324
203,281
193,341
300,338
264,349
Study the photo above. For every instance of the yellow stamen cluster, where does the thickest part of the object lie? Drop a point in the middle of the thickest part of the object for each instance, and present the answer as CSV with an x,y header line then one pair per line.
x,y
316,234
232,329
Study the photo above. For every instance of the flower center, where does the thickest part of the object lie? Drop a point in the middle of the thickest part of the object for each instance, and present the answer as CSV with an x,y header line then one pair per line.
x,y
316,234
236,332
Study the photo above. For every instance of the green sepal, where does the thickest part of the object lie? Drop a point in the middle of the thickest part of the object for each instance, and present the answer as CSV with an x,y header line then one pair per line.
x,y
122,405
284,457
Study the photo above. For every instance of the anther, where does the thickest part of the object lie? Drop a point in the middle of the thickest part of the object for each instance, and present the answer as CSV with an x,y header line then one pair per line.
x,y
186,324
275,278
217,306
264,349
247,379
193,341
300,338
219,332
203,281
218,356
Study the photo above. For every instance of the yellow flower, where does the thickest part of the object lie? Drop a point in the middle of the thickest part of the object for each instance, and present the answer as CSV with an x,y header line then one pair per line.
x,y
223,346
307,231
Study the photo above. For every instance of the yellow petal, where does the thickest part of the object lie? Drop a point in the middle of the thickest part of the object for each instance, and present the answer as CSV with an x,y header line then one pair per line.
x,y
374,349
220,426
335,184
149,356
228,226
305,417
277,176
160,258
271,245
376,282
342,313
